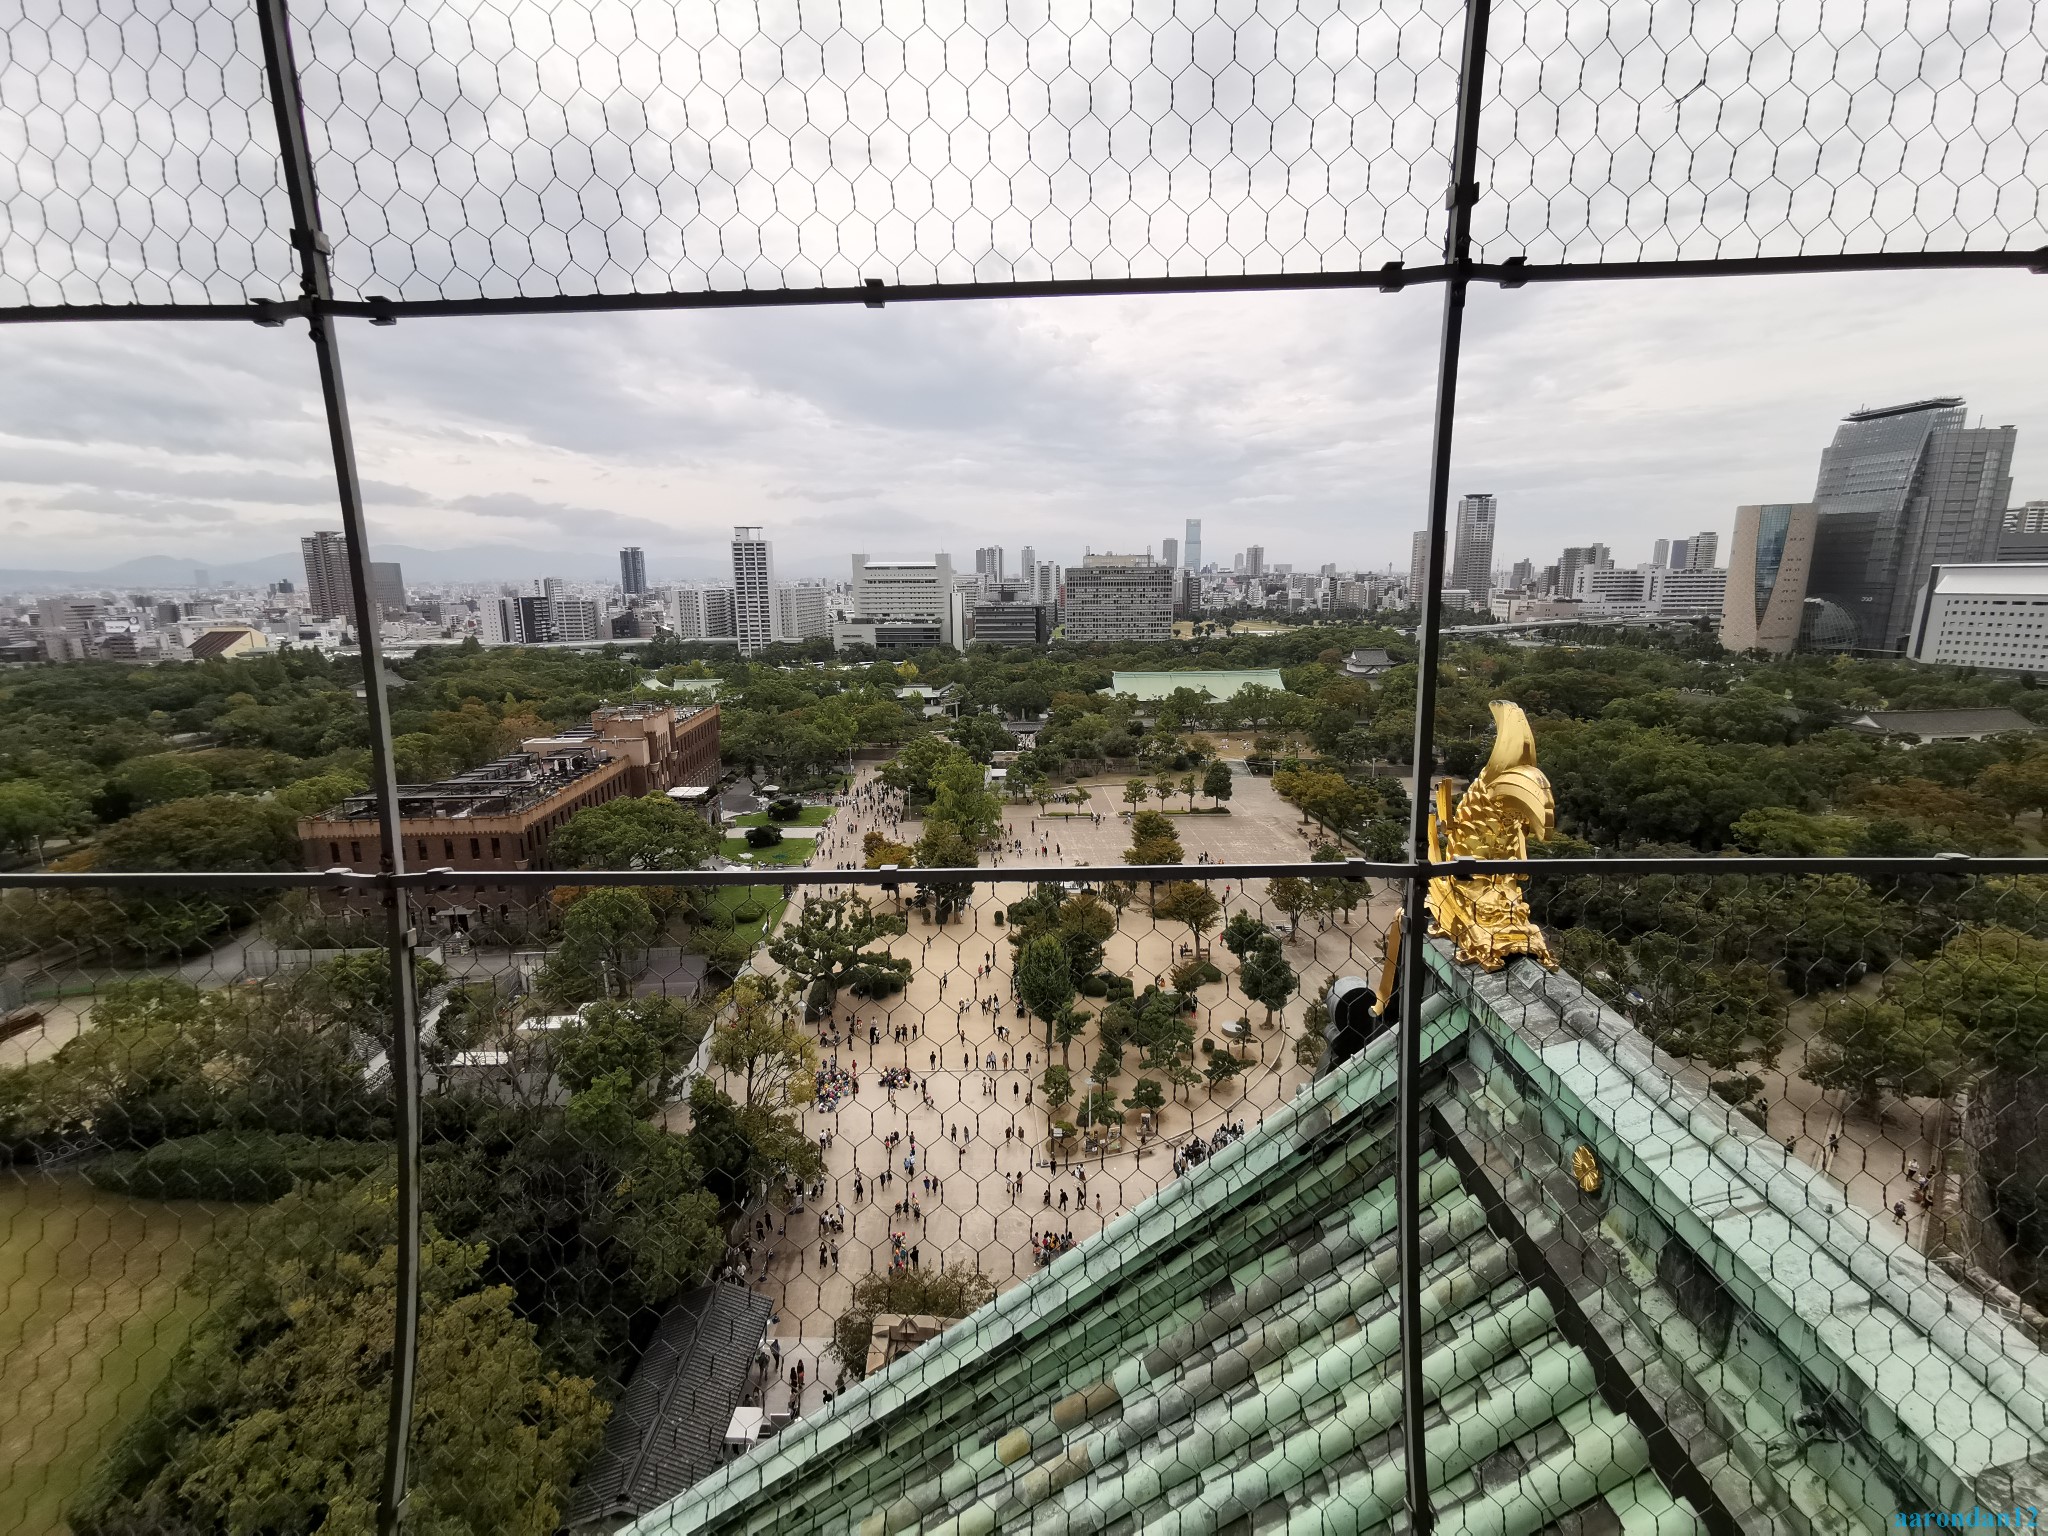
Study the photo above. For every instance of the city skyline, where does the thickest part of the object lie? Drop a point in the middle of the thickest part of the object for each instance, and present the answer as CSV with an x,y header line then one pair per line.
x,y
1291,421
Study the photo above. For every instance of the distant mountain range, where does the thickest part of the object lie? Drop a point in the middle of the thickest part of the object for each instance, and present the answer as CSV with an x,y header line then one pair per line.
x,y
475,562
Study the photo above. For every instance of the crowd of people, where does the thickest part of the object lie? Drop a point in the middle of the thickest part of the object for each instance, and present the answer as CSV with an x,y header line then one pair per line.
x,y
836,1084
1047,1246
1198,1149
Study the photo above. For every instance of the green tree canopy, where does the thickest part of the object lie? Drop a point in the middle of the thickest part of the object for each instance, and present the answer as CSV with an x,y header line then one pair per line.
x,y
829,945
273,1416
650,832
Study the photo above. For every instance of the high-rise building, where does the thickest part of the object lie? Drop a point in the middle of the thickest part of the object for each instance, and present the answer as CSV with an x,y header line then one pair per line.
x,y
1418,567
903,604
1027,564
1701,551
327,583
1191,545
1580,557
1661,554
2024,538
753,590
572,620
1119,597
1010,617
1902,489
1523,575
387,587
1768,568
1169,552
803,610
1255,560
633,570
1681,554
1046,585
701,613
1472,566
988,562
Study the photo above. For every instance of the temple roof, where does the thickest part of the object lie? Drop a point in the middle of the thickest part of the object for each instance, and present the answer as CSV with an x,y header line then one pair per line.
x,y
1698,1343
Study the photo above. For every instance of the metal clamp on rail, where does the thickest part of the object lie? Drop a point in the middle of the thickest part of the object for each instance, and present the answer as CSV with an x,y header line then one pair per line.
x,y
1514,272
1391,280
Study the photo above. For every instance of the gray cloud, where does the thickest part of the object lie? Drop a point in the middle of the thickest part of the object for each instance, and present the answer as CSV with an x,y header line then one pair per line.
x,y
1619,412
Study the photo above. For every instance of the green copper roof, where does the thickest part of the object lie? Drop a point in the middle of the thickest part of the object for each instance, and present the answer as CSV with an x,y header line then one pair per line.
x,y
1709,1323
1228,1349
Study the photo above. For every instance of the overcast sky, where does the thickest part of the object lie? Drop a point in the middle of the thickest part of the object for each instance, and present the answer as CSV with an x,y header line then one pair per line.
x,y
1620,412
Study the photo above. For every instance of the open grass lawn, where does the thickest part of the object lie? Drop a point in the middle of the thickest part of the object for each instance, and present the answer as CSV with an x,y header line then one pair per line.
x,y
809,816
90,1315
734,900
793,850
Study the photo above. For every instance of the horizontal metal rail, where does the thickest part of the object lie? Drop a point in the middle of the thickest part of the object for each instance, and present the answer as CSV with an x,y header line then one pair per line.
x,y
875,294
1952,864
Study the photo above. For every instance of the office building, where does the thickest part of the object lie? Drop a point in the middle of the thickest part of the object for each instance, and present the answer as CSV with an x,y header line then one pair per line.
x,y
1027,564
1472,565
1661,554
2024,538
804,611
1650,591
1989,616
1119,597
1696,592
1046,586
387,588
701,613
903,604
328,590
1255,560
1191,545
69,627
754,609
1579,557
1701,551
1768,569
570,620
1418,566
633,571
1011,617
988,563
1523,576
1902,489
1169,552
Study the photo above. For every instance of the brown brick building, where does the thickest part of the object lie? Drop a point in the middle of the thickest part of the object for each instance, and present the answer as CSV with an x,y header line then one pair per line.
x,y
502,815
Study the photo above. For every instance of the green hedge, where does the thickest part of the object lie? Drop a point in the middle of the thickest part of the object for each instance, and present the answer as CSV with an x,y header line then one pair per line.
x,y
232,1165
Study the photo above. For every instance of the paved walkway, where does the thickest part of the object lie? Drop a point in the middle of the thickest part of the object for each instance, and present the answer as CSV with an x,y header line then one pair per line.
x,y
981,1133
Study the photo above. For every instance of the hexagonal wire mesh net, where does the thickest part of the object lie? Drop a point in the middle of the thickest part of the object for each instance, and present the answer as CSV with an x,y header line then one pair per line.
x,y
1045,1200
501,150
1085,1155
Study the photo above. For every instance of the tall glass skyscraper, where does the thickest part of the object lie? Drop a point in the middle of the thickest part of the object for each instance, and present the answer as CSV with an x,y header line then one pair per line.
x,y
1191,546
1902,489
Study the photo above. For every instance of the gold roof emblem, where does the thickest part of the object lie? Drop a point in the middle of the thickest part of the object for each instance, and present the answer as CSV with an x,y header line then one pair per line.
x,y
1487,916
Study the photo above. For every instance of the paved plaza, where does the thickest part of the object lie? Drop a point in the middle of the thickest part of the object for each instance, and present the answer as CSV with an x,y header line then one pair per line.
x,y
982,1134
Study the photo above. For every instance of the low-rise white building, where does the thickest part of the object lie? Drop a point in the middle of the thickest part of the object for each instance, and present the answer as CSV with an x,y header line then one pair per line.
x,y
1989,616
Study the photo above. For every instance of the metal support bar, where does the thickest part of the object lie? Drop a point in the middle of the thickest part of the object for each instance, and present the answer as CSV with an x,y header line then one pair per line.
x,y
316,280
1954,865
1514,272
1460,197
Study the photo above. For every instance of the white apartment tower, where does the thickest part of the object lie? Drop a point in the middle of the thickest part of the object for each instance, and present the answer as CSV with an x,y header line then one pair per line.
x,y
755,611
328,590
1472,566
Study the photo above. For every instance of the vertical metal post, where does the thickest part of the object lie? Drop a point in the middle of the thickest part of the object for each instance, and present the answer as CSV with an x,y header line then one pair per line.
x,y
404,1054
1463,192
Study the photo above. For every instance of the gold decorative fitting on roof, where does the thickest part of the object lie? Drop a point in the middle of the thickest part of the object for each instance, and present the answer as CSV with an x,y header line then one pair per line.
x,y
1486,916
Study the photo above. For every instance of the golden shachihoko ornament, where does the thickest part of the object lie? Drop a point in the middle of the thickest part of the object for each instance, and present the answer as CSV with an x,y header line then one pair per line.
x,y
1486,916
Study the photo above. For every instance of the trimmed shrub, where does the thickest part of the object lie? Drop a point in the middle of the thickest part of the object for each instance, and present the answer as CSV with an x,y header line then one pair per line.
x,y
233,1165
785,809
763,837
